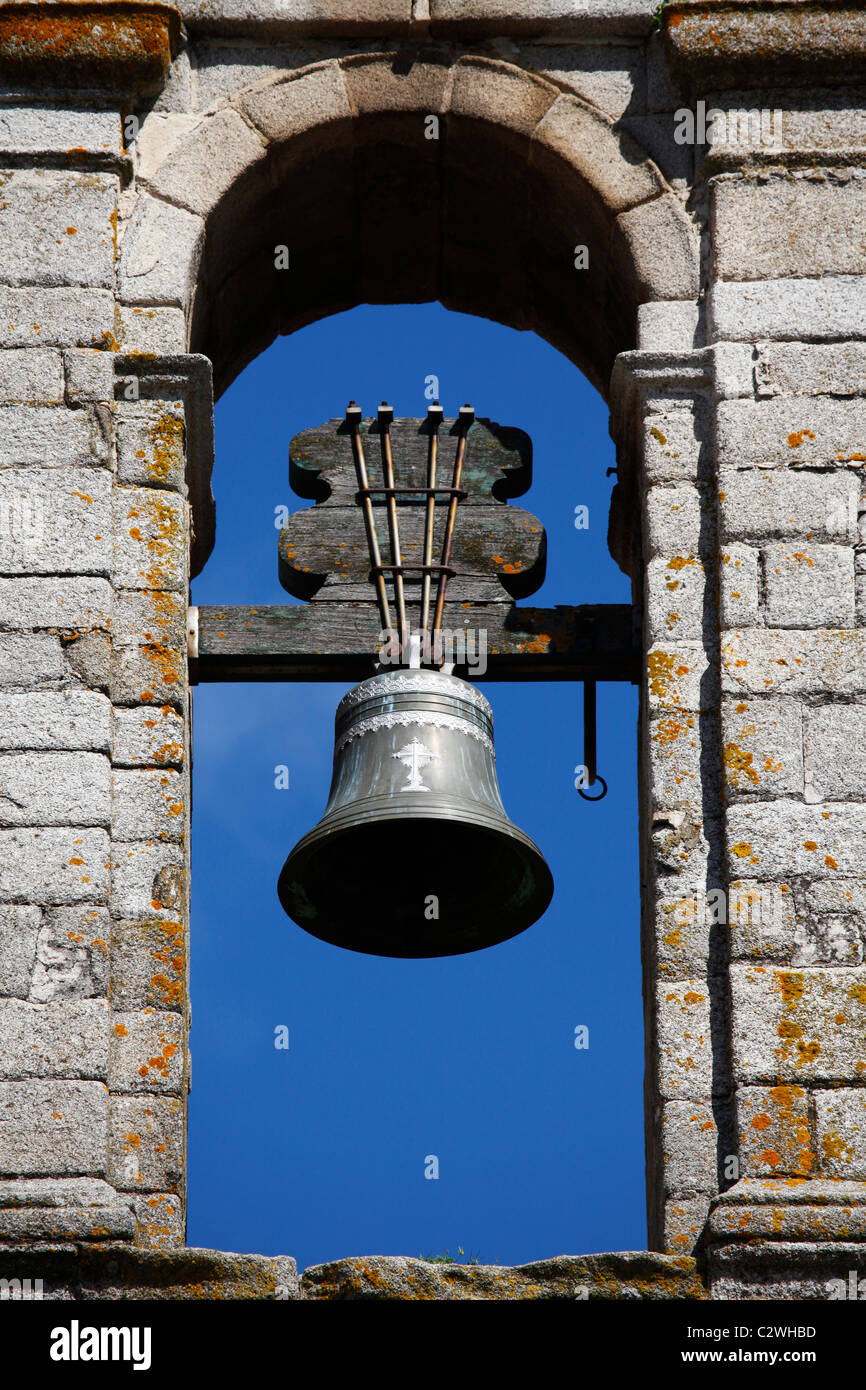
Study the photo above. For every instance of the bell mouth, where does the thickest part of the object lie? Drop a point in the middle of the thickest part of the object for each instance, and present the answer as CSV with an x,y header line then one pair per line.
x,y
415,886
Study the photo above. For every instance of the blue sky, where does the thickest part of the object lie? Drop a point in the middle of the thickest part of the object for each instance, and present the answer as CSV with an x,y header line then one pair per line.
x,y
319,1151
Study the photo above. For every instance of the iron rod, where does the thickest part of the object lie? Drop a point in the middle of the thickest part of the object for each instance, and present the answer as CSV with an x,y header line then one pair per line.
x,y
434,419
466,416
386,415
353,419
406,491
590,751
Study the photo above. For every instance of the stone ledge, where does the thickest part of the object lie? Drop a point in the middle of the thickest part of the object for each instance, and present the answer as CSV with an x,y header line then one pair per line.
x,y
794,1191
442,18
738,1269
597,18
787,1223
629,1275
786,1212
120,46
247,18
104,1273
49,1225
773,1270
717,45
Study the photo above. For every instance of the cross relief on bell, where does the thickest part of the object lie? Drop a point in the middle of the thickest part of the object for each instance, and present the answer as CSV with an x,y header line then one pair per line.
x,y
416,756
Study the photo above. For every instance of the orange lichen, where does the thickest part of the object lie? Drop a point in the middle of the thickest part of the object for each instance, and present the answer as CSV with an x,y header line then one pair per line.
x,y
168,753
738,762
166,439
795,440
662,671
791,987
832,1145
81,45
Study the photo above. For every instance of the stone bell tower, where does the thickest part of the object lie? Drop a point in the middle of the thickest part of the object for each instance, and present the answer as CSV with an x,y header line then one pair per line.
x,y
709,163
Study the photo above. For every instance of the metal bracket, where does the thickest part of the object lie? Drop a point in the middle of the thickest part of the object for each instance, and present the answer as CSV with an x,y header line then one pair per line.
x,y
590,741
192,634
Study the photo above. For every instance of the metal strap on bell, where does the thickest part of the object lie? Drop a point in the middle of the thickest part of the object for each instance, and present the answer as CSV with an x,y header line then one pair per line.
x,y
415,855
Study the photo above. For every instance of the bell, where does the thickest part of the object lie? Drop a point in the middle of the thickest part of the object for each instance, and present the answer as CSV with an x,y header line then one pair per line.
x,y
415,855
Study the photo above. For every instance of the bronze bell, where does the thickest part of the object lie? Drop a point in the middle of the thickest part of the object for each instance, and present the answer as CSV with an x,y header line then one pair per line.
x,y
415,855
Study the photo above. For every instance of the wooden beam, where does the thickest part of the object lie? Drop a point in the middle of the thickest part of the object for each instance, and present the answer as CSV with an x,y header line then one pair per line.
x,y
336,642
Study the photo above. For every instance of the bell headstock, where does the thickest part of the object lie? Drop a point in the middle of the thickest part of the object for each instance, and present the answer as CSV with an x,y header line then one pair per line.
x,y
498,551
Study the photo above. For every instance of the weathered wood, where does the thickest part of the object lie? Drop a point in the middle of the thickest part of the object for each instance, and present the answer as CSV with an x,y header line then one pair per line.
x,y
324,554
323,550
498,461
498,554
334,641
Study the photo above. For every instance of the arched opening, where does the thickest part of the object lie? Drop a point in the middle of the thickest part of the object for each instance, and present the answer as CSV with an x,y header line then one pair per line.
x,y
405,176
336,166
471,1060
410,176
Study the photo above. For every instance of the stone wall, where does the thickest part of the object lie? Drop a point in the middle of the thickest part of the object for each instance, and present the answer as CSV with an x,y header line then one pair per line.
x,y
151,160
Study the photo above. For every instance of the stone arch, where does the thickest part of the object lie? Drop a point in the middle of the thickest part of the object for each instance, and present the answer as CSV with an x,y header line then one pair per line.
x,y
333,162
340,162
